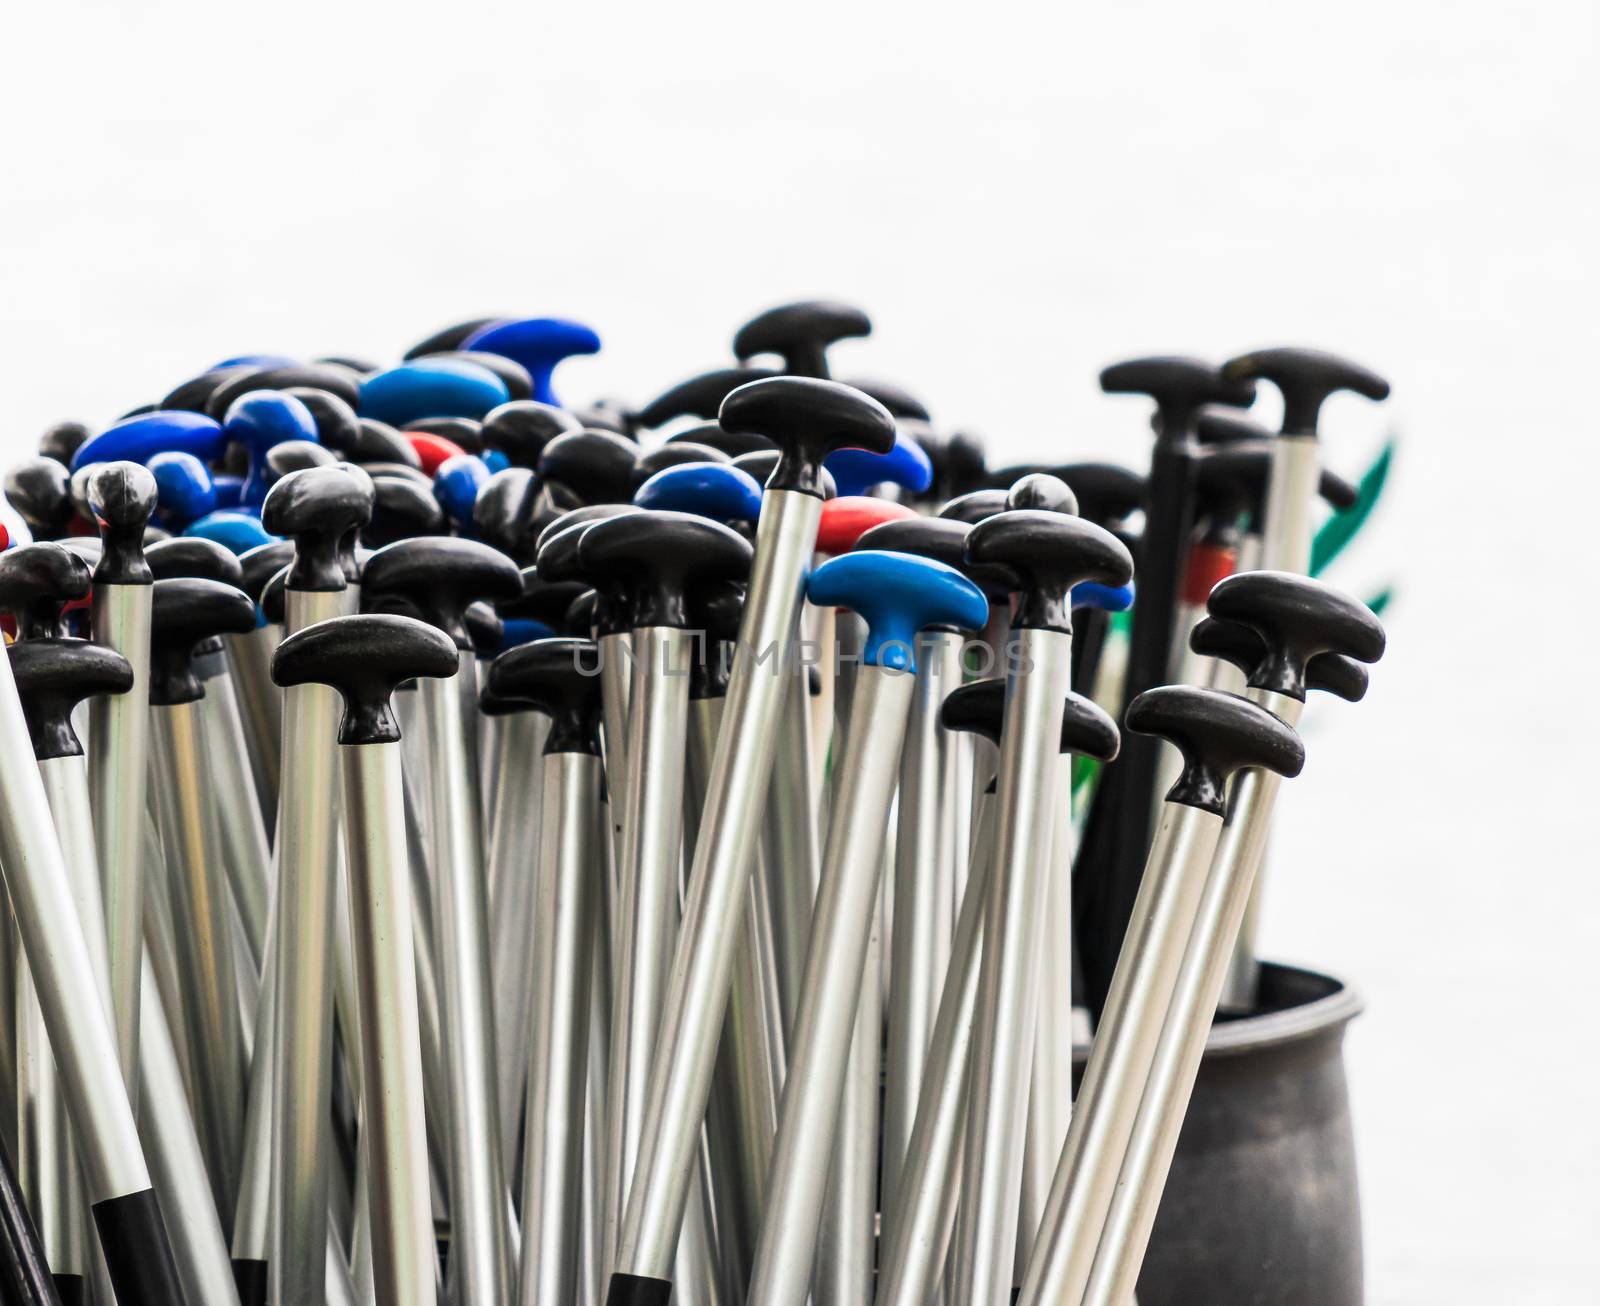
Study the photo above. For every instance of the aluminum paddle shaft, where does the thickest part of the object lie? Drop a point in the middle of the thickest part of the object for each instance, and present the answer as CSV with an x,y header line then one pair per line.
x,y
1286,634
646,564
438,579
1218,734
116,1180
806,419
557,677
122,496
897,595
316,507
364,658
1048,552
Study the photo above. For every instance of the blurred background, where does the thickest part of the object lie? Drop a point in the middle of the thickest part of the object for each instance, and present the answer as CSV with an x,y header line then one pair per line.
x,y
1017,195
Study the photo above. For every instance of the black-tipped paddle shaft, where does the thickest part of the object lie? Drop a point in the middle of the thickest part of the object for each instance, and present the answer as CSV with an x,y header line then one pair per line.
x,y
1048,552
365,658
1218,735
1291,619
807,419
1118,833
437,579
557,678
650,562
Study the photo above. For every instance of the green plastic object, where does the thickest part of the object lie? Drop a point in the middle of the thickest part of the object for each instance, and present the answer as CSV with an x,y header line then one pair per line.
x,y
1343,527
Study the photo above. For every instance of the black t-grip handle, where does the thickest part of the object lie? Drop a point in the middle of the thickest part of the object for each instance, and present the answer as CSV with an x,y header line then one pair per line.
x,y
699,396
595,465
40,489
522,428
259,565
451,337
652,560
505,511
121,496
185,611
561,678
190,555
366,658
1332,673
36,582
1296,618
436,579
1217,734
1048,553
1305,378
903,406
53,676
341,382
800,334
944,540
1180,388
317,508
979,708
402,508
807,419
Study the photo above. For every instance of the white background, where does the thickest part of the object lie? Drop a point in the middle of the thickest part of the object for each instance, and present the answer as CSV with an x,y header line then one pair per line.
x,y
1018,196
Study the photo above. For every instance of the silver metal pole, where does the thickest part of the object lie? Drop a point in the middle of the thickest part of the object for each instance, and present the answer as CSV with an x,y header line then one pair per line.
x,y
115,1177
480,1249
398,1189
1050,1087
187,808
569,874
697,988
791,858
1291,493
1001,1062
45,1164
1182,1042
513,850
616,684
177,1163
118,726
924,875
308,819
742,1116
261,711
1108,1098
916,1231
852,866
245,853
652,827
844,1263
591,1195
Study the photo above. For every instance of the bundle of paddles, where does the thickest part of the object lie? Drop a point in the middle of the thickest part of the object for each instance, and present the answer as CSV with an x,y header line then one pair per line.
x,y
462,848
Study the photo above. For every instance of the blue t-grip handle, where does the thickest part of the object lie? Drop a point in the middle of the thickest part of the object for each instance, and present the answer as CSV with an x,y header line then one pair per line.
x,y
538,343
431,387
255,360
1108,598
897,595
457,484
184,488
260,421
855,471
522,630
715,490
235,530
138,439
